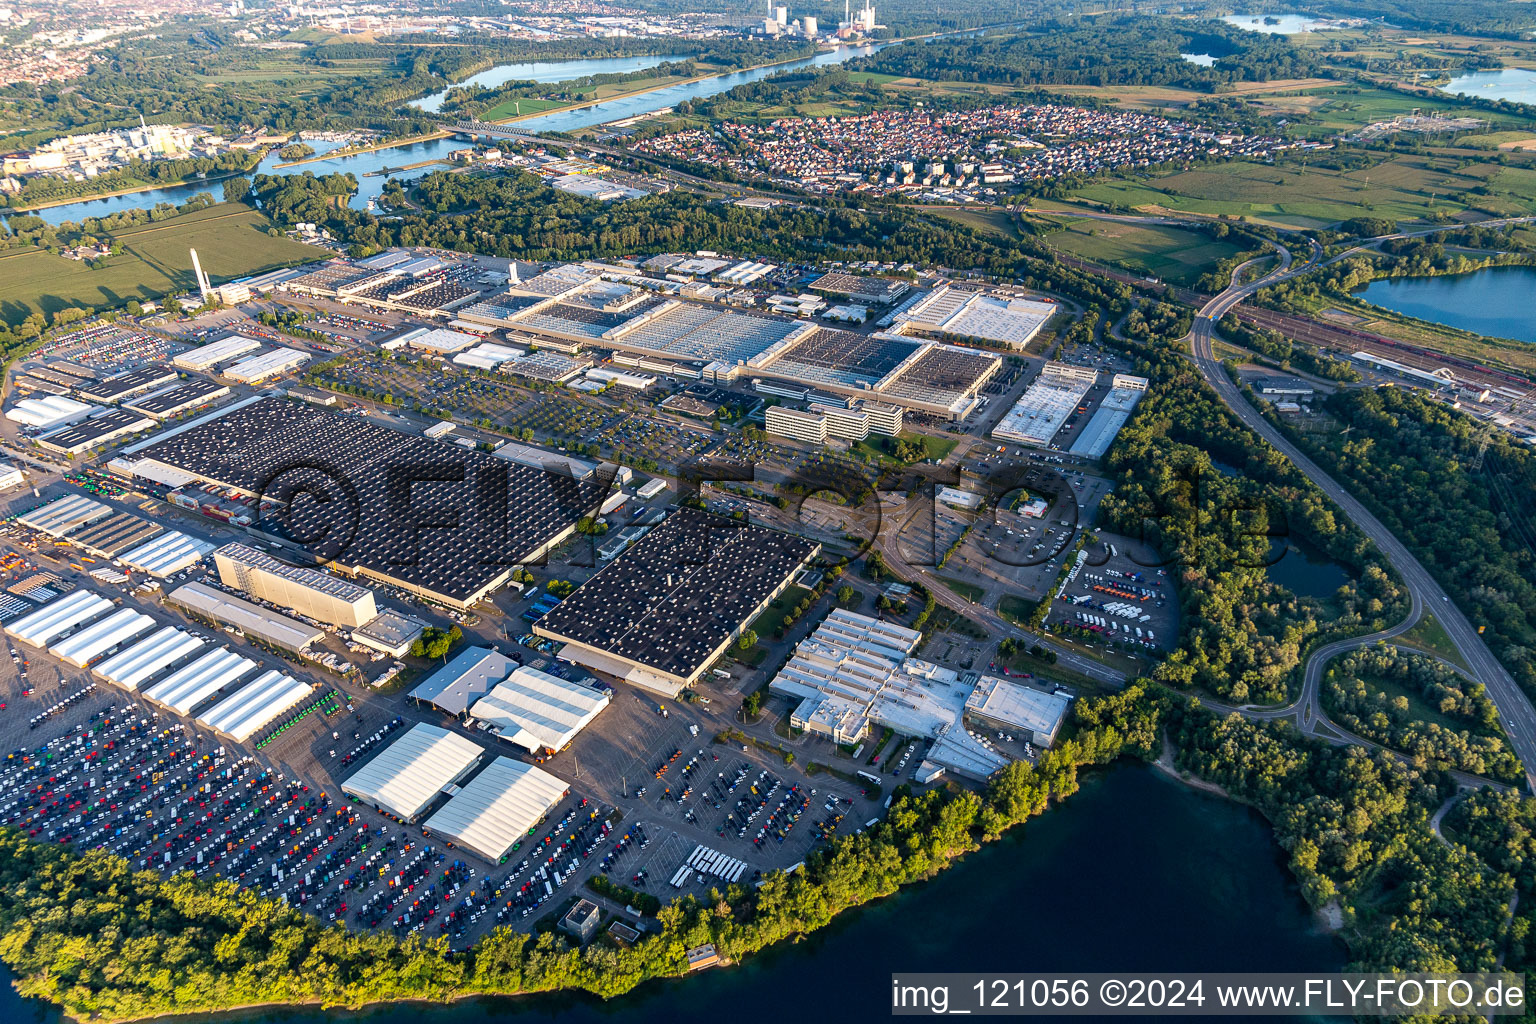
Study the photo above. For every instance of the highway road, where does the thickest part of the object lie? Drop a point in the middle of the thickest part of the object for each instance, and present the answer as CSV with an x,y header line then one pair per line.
x,y
1515,708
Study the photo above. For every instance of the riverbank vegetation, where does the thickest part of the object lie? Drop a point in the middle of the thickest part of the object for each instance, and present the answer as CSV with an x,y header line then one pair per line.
x,y
1421,707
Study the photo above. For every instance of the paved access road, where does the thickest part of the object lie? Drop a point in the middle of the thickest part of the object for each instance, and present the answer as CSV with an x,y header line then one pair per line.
x,y
1515,708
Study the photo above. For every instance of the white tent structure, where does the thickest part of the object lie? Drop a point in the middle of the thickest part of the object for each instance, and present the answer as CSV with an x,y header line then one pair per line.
x,y
167,554
539,711
498,807
409,773
189,686
61,515
86,645
241,714
57,617
149,656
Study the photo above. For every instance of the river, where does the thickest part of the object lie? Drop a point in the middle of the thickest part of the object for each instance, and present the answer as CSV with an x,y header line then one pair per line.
x,y
547,71
569,119
1135,872
1495,301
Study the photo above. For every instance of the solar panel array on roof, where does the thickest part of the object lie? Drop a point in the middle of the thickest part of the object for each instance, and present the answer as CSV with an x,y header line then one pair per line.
x,y
148,657
98,430
673,599
185,395
190,685
85,645
408,774
828,356
505,513
251,707
498,807
58,617
133,382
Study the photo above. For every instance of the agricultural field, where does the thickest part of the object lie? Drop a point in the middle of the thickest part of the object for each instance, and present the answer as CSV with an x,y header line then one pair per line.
x,y
997,222
1404,188
521,108
1172,254
232,241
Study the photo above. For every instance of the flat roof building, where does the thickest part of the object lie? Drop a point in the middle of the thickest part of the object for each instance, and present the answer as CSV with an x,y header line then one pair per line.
x,y
580,922
252,619
659,614
950,313
180,397
498,807
1043,410
208,356
1016,707
409,774
112,390
390,631
95,432
269,364
309,592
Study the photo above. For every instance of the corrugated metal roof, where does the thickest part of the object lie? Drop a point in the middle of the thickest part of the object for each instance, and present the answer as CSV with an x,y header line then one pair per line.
x,y
410,772
167,554
147,657
498,807
239,715
58,617
184,689
540,711
101,636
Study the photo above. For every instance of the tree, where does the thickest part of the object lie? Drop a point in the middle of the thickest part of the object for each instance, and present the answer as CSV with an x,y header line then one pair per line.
x,y
846,594
236,189
747,640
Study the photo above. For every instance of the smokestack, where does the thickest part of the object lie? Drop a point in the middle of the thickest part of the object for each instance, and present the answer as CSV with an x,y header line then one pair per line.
x,y
203,287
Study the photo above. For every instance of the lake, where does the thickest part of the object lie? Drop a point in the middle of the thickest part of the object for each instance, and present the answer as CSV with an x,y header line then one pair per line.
x,y
1283,24
1205,60
1495,301
1135,872
1515,84
547,71
1304,570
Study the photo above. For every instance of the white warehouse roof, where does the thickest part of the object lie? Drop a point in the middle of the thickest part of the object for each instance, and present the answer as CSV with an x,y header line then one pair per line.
x,y
53,411
58,617
539,711
189,686
498,807
216,352
167,554
131,667
239,715
259,368
82,647
410,772
63,514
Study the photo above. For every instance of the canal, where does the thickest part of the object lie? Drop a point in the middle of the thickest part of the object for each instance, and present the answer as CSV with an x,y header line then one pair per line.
x,y
1136,872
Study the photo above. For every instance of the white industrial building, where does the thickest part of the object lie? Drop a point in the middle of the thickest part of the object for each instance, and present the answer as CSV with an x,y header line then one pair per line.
x,y
408,775
268,364
147,658
167,554
61,515
1043,410
488,356
440,341
951,313
58,617
10,476
190,685
309,592
1015,707
84,646
240,715
465,679
498,807
538,711
651,488
49,413
856,672
252,619
1126,390
212,354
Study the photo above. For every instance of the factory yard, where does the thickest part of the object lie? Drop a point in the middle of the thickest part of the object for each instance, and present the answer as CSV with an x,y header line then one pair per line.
x,y
906,151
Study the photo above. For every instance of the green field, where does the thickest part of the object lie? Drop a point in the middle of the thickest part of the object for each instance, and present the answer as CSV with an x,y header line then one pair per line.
x,y
970,591
997,222
231,241
519,108
1407,187
1172,254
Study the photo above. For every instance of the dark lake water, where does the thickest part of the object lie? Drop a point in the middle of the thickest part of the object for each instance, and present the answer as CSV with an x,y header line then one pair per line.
x,y
1499,302
1135,872
1304,570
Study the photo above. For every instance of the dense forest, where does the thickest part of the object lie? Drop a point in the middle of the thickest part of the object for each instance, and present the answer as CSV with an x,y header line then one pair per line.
x,y
1393,697
1471,527
1104,50
1242,635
